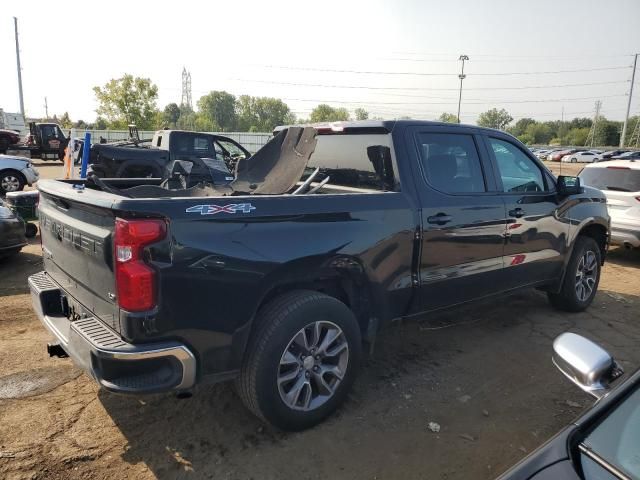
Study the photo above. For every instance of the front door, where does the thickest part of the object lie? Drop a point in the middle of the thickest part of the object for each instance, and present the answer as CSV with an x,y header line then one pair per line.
x,y
463,218
536,238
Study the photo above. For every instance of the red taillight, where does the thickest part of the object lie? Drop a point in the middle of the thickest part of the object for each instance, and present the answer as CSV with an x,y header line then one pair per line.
x,y
638,199
135,280
619,168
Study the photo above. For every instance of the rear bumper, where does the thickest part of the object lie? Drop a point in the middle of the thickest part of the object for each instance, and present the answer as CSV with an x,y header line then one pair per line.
x,y
625,236
116,365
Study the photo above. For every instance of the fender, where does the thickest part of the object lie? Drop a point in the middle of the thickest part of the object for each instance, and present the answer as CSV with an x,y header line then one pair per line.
x,y
338,275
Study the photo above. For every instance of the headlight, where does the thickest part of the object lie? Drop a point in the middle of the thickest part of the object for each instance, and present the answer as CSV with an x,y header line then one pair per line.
x,y
6,212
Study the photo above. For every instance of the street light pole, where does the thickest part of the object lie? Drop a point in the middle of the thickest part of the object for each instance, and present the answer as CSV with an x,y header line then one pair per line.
x,y
462,76
15,24
626,118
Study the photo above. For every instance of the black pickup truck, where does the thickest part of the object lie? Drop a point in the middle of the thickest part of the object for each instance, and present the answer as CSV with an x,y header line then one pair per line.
x,y
213,156
325,235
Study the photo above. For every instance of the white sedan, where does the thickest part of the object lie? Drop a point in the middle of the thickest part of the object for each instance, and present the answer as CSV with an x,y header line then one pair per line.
x,y
15,173
582,157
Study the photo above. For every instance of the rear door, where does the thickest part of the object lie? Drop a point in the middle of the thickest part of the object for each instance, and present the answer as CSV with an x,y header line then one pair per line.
x,y
463,217
536,239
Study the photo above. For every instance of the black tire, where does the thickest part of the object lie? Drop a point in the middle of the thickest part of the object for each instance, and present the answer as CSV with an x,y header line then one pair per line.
x,y
4,145
30,230
12,177
277,324
574,160
568,298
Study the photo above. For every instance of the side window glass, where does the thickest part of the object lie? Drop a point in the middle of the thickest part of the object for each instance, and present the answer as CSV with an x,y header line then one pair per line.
x,y
451,162
518,172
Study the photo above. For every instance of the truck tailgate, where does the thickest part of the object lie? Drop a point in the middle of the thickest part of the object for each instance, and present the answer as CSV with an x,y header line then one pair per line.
x,y
77,251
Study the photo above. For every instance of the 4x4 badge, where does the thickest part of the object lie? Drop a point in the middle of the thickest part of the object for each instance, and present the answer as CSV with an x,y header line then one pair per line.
x,y
213,209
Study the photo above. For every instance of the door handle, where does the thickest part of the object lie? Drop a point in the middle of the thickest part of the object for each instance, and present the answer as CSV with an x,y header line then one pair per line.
x,y
439,219
516,212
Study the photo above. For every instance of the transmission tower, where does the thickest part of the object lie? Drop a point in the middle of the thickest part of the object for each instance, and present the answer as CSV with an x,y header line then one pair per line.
x,y
634,141
591,138
186,90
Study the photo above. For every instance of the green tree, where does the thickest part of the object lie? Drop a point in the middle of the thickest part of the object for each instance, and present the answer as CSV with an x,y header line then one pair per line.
x,y
262,114
521,127
578,136
65,121
128,100
607,132
539,133
448,118
327,113
632,124
361,114
495,118
218,109
171,114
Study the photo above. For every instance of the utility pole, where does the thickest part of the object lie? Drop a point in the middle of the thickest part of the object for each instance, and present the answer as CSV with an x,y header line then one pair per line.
x,y
46,108
15,23
626,118
462,76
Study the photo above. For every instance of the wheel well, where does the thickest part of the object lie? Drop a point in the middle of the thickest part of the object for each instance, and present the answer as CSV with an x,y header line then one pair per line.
x,y
342,289
599,234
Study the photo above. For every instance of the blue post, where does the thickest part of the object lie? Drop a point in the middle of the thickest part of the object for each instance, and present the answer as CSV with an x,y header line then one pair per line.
x,y
86,151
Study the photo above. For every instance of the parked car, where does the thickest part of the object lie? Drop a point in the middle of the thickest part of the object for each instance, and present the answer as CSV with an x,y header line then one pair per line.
x,y
601,444
612,153
582,157
632,155
619,180
7,139
12,232
557,156
15,173
325,235
212,156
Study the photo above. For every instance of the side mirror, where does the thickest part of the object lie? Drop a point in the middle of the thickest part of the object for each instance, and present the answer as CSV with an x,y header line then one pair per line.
x,y
568,185
585,363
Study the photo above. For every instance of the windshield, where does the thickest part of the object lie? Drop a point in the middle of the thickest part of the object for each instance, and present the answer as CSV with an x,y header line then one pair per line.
x,y
617,439
618,179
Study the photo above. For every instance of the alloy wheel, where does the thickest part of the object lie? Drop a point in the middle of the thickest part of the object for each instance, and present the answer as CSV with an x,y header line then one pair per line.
x,y
10,183
313,366
586,275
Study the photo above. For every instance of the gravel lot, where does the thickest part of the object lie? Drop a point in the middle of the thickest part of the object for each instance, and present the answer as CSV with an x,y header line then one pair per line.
x,y
483,373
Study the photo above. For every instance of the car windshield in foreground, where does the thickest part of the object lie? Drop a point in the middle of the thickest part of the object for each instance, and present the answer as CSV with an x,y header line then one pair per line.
x,y
615,442
618,179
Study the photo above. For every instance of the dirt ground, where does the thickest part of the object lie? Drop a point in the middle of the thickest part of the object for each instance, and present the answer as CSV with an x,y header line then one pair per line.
x,y
483,373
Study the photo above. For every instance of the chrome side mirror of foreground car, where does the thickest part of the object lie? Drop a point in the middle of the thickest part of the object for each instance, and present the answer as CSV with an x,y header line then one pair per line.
x,y
585,363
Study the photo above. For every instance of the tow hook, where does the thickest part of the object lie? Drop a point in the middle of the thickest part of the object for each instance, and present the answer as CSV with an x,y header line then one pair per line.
x,y
55,350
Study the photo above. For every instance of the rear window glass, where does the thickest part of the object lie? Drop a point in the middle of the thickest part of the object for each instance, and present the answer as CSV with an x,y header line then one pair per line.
x,y
616,179
357,162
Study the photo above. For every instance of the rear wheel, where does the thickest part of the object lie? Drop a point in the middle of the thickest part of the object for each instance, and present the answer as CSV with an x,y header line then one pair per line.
x,y
11,181
302,360
581,278
4,145
574,160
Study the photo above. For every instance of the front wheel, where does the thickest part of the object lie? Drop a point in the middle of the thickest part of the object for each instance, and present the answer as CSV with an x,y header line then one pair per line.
x,y
11,181
573,160
581,278
302,360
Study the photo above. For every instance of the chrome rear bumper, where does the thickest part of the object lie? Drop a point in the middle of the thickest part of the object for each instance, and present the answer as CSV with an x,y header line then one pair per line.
x,y
115,364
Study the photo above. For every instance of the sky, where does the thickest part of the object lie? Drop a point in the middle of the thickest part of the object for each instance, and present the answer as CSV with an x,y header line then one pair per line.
x,y
539,59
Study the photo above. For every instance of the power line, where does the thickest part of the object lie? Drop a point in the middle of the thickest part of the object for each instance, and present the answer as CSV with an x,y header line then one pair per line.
x,y
367,87
435,74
